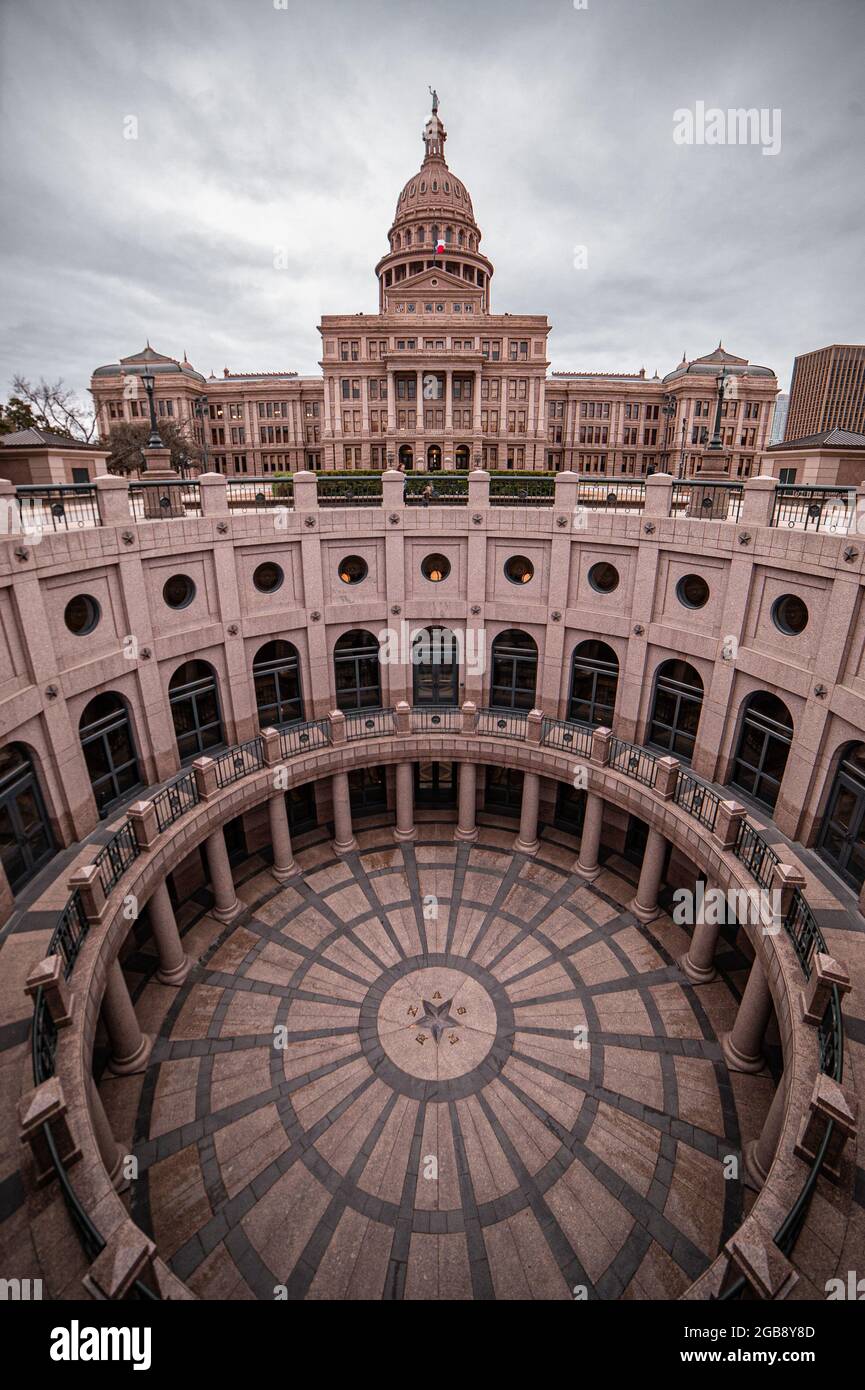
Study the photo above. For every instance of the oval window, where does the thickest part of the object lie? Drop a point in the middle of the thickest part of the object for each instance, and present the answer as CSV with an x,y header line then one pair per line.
x,y
435,568
178,591
81,614
268,577
693,591
604,577
518,569
353,569
790,615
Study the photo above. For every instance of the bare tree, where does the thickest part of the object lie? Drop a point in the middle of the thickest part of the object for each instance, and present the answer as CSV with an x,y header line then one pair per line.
x,y
58,409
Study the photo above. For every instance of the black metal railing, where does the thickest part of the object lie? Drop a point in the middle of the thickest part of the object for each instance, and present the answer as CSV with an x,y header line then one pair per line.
x,y
300,738
758,857
63,507
260,494
238,762
436,490
633,760
504,723
437,719
699,801
802,929
612,494
175,800
568,735
368,723
523,489
348,492
68,936
115,857
829,509
719,499
148,501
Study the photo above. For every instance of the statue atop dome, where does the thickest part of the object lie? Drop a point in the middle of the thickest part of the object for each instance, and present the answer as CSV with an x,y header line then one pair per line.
x,y
435,96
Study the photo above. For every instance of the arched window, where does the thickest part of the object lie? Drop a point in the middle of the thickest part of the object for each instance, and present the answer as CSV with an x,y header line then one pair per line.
x,y
356,671
462,456
763,747
406,456
276,676
514,671
594,678
676,708
841,841
194,699
109,748
26,842
435,662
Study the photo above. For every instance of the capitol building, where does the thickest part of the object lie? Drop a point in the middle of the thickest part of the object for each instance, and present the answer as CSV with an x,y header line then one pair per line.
x,y
432,836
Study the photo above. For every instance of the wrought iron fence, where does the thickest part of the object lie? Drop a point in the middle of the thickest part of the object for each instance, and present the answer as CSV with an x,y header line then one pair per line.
x,y
68,936
300,738
348,492
436,490
611,494
758,857
806,936
504,723
814,508
175,800
567,735
522,490
260,494
238,762
64,507
633,761
368,723
438,719
711,504
148,501
115,857
699,801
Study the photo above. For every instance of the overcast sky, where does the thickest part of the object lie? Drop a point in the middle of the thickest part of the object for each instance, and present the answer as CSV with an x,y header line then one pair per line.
x,y
291,126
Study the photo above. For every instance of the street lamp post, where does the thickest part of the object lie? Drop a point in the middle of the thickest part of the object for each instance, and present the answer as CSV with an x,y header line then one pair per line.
x,y
155,440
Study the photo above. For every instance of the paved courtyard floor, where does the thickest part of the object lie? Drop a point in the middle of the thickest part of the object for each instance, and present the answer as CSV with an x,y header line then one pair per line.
x,y
437,1071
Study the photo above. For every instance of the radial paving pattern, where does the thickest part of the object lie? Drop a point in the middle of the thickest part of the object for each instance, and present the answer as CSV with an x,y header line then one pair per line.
x,y
430,1071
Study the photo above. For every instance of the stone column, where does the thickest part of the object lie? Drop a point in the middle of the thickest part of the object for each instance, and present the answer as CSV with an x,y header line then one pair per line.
x,y
405,828
109,1150
420,404
699,961
225,904
449,399
174,964
343,835
645,903
527,839
587,865
130,1048
742,1045
391,403
468,784
759,1153
283,867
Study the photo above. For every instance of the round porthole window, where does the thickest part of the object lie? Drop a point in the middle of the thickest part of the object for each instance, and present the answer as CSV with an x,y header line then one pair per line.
x,y
268,577
81,614
353,569
518,569
178,591
604,577
790,615
693,591
435,568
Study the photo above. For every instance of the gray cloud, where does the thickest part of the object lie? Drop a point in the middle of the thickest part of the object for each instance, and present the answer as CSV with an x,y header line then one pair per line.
x,y
264,129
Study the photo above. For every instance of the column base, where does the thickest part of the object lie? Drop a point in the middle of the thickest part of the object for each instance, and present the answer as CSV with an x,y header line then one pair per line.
x,y
643,914
526,846
282,875
227,914
697,974
736,1060
589,873
126,1066
176,976
468,837
344,847
404,836
752,1174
